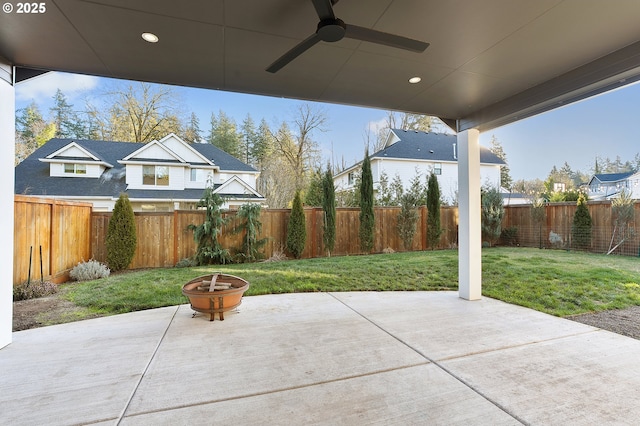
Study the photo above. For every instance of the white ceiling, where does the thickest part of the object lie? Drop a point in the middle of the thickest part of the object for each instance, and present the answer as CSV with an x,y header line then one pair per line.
x,y
489,62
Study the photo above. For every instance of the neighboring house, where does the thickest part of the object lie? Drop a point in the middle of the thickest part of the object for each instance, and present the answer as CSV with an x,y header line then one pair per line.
x,y
514,198
409,152
605,186
163,175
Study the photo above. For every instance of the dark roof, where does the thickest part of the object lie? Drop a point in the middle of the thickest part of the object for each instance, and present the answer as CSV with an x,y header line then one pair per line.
x,y
611,177
429,146
32,176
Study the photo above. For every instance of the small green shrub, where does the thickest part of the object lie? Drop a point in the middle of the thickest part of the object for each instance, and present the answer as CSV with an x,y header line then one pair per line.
x,y
91,270
33,290
509,236
187,262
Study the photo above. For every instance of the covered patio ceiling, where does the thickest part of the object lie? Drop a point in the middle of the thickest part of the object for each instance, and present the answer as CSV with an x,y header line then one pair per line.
x,y
489,62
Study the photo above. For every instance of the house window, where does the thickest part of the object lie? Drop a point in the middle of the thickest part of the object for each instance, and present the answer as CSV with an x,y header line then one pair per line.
x,y
197,175
437,168
155,175
351,180
75,169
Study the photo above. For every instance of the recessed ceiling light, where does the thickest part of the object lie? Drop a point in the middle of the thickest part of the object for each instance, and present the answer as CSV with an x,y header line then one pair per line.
x,y
414,80
150,37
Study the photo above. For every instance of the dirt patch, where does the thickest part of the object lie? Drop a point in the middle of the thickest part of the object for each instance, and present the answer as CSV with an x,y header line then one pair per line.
x,y
621,321
50,310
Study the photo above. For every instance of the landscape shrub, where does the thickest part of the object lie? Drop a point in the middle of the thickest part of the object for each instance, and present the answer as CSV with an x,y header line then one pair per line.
x,y
509,236
33,290
206,234
407,220
187,262
367,217
251,227
90,270
581,229
121,235
297,228
434,229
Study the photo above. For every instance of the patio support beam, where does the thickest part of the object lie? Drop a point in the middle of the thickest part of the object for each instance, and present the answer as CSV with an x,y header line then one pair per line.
x,y
469,220
7,155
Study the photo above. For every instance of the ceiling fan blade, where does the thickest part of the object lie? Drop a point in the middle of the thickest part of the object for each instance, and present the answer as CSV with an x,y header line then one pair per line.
x,y
378,37
296,51
324,9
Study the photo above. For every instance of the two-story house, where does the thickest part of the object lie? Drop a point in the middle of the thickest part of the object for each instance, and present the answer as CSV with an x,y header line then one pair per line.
x,y
408,152
163,175
605,186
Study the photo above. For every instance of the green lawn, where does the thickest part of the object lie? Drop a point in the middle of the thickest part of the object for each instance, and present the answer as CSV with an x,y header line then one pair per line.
x,y
556,282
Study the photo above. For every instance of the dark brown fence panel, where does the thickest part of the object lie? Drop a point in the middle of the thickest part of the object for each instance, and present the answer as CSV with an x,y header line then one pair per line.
x,y
59,228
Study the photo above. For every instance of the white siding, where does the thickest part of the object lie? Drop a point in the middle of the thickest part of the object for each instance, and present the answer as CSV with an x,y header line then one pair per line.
x,y
154,152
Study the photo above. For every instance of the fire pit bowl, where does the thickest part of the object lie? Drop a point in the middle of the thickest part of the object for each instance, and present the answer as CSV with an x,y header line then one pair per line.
x,y
215,293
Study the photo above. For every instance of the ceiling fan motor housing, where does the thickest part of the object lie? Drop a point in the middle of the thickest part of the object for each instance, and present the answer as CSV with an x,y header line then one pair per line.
x,y
331,30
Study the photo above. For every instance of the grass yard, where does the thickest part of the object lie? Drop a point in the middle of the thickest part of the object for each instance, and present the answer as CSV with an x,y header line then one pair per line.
x,y
556,282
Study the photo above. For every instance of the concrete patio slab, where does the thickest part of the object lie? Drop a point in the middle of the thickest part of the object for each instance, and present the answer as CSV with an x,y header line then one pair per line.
x,y
324,358
440,325
421,395
276,342
79,372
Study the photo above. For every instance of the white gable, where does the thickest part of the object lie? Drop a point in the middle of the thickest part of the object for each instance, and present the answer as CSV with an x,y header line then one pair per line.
x,y
236,186
183,149
153,151
73,150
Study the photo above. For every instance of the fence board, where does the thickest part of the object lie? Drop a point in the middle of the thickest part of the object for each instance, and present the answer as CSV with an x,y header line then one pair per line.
x,y
60,228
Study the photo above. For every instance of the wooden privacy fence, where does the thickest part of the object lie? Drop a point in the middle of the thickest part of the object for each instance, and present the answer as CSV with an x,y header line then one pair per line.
x,y
53,233
69,232
559,220
163,238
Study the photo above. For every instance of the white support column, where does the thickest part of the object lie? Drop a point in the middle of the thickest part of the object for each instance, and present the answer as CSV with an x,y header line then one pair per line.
x,y
469,218
7,155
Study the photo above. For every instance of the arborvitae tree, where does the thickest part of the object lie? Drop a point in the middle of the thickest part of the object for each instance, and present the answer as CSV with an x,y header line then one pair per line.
x,y
367,218
492,212
209,249
581,229
407,219
121,235
251,226
539,215
297,228
434,230
329,208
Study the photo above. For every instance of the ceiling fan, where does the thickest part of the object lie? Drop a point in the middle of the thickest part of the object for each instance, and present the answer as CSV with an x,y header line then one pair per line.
x,y
332,29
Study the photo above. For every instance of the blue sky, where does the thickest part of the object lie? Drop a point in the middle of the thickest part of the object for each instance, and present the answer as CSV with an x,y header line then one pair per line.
x,y
600,126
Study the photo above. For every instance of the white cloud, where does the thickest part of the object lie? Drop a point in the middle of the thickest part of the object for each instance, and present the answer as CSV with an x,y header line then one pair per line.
x,y
42,88
375,126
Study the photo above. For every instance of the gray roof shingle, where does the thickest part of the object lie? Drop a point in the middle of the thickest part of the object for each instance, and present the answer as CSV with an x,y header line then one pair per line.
x,y
418,145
